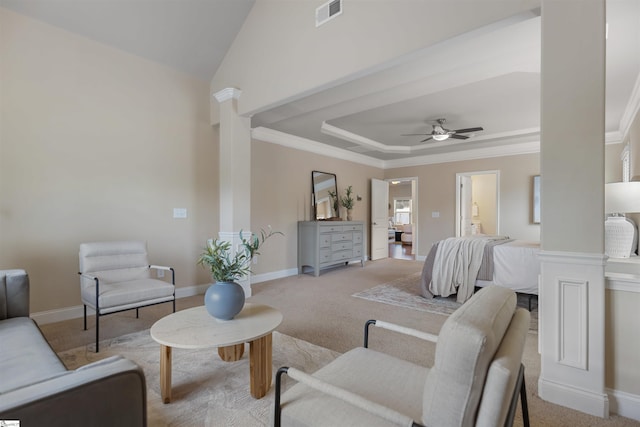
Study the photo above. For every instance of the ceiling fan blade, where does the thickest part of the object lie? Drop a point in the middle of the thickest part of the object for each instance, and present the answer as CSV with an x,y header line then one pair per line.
x,y
469,130
425,140
458,136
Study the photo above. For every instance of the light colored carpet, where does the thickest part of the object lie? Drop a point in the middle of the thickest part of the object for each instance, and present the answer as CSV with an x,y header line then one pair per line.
x,y
405,292
205,390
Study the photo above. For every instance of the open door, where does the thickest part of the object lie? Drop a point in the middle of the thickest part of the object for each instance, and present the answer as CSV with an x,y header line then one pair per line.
x,y
478,203
466,194
379,219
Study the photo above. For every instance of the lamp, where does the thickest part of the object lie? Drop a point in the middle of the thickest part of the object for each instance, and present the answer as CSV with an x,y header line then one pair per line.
x,y
621,234
440,137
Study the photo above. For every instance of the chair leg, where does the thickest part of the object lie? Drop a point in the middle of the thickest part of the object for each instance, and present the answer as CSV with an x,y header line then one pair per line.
x,y
85,317
97,330
137,314
523,402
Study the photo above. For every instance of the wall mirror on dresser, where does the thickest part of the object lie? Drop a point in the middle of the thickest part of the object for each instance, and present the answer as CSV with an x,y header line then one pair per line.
x,y
325,196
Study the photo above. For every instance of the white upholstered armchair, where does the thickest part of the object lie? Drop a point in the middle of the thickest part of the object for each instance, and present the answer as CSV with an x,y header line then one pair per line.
x,y
116,276
475,381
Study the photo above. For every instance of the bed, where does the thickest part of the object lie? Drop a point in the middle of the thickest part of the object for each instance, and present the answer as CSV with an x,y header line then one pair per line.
x,y
460,264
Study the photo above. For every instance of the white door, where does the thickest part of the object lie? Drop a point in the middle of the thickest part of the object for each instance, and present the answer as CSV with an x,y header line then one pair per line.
x,y
379,219
466,195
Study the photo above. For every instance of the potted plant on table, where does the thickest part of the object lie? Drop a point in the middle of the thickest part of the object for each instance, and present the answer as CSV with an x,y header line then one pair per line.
x,y
225,298
347,201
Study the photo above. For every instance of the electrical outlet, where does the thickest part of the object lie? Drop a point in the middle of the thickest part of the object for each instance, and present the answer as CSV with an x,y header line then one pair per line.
x,y
160,274
435,214
255,259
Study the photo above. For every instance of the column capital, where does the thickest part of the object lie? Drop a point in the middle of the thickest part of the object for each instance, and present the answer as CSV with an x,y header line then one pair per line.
x,y
227,94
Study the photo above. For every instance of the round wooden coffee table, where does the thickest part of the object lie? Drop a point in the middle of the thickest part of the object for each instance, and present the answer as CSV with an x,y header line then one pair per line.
x,y
195,328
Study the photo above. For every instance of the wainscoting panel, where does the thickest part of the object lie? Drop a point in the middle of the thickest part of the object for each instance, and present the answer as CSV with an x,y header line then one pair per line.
x,y
573,327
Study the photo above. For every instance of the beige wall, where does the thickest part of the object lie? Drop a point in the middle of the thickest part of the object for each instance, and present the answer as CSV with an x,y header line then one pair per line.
x,y
621,342
281,196
97,144
437,193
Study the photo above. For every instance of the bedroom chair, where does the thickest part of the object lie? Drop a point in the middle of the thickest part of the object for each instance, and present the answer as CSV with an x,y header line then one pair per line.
x,y
116,276
475,381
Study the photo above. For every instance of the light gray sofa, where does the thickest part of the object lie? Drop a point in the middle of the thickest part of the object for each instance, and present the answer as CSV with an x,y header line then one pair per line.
x,y
37,389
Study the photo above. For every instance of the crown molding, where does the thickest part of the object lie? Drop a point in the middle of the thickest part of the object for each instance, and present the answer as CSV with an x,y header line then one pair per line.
x,y
304,144
522,143
227,94
530,147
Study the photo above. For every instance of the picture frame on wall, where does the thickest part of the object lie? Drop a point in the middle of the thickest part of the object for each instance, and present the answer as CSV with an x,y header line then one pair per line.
x,y
535,211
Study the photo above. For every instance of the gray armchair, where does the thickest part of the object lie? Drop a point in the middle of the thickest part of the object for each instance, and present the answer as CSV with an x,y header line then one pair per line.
x,y
115,276
475,381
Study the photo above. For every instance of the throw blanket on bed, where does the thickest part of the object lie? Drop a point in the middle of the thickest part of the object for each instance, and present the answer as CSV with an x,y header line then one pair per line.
x,y
452,266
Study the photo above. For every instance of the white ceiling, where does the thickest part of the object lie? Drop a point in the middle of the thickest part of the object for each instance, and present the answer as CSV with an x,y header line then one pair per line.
x,y
489,77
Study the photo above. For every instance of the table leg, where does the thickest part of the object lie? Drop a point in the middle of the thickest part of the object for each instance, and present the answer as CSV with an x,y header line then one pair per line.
x,y
260,353
231,353
165,373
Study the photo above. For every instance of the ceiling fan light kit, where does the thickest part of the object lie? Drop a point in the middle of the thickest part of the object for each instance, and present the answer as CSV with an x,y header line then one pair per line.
x,y
440,133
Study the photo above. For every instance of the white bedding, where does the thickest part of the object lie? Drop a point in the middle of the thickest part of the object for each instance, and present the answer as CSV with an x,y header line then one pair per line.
x,y
516,266
456,265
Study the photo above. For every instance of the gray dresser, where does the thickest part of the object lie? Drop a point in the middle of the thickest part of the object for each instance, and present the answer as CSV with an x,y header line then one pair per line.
x,y
323,244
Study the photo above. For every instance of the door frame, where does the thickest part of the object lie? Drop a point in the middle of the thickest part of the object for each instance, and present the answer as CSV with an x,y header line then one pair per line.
x,y
458,195
414,208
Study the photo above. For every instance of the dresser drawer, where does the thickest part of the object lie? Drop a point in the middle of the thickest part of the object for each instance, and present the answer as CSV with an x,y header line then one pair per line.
x,y
325,256
339,237
357,238
341,246
352,227
324,240
341,255
357,251
330,228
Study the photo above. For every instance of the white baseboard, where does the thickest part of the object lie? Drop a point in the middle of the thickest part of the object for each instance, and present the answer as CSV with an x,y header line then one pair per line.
x,y
624,404
574,398
258,278
75,312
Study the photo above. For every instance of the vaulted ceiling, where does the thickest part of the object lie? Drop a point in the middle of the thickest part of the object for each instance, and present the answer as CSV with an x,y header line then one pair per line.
x,y
488,78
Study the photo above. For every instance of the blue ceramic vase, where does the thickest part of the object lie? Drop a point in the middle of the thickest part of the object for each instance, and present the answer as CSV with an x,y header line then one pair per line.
x,y
224,300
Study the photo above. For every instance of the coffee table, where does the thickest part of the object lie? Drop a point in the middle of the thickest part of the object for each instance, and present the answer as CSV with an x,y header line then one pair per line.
x,y
195,328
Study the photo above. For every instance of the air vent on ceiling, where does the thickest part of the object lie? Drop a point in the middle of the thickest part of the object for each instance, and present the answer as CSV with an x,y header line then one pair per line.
x,y
328,11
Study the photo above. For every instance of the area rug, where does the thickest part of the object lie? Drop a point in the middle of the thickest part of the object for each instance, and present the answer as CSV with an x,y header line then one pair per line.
x,y
205,390
405,292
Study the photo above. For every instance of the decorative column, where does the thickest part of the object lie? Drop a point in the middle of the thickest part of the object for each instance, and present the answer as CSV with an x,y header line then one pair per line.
x,y
572,317
234,173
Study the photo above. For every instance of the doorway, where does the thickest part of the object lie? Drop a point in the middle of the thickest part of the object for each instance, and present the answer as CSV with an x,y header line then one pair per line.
x,y
403,215
478,203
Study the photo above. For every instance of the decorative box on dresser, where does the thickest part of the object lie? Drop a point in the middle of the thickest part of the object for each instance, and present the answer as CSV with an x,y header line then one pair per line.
x,y
323,244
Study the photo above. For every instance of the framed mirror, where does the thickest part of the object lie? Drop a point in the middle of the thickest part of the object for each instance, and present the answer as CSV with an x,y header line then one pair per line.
x,y
324,196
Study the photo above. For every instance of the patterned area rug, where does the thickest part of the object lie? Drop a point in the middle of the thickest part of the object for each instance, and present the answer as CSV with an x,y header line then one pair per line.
x,y
205,390
405,292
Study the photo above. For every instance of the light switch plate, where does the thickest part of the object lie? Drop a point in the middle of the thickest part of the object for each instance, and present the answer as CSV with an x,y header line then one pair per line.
x,y
179,212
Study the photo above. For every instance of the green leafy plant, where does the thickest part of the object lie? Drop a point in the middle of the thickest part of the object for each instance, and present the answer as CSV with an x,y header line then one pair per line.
x,y
224,266
347,201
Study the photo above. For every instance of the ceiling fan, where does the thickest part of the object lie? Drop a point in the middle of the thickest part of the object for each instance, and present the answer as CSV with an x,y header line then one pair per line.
x,y
440,133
